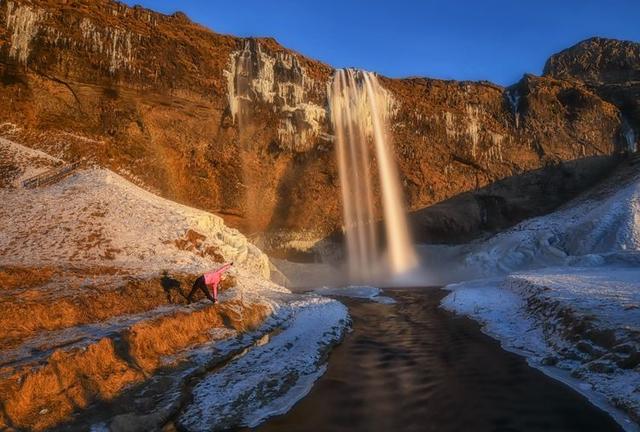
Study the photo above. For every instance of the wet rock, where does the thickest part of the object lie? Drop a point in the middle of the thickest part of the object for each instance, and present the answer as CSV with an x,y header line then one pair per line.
x,y
632,360
605,338
625,348
138,423
590,349
600,367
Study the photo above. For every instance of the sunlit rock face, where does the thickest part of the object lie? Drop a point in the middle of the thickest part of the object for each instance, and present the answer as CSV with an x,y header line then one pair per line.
x,y
258,76
241,127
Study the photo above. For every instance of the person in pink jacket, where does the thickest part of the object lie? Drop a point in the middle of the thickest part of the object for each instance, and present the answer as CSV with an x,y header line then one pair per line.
x,y
208,283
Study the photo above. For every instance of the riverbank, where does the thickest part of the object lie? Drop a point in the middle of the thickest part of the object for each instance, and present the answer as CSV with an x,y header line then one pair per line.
x,y
578,325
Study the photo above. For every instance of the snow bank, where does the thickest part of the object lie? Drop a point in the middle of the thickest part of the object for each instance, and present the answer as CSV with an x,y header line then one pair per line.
x,y
270,378
98,217
602,223
579,325
18,163
600,227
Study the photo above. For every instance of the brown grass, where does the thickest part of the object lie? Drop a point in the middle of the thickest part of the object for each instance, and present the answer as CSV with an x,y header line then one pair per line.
x,y
35,312
12,277
20,320
193,241
38,398
150,340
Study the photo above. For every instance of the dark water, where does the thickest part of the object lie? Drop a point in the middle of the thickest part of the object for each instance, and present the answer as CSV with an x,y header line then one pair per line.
x,y
414,367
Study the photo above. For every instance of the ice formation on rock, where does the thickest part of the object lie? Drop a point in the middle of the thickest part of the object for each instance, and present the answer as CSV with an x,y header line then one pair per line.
x,y
630,137
514,101
257,75
22,21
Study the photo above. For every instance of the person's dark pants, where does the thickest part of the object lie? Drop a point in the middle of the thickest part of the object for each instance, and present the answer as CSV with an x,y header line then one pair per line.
x,y
200,285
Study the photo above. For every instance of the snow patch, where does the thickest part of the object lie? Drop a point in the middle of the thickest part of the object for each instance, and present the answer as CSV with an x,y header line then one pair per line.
x,y
96,216
18,163
271,377
557,317
586,230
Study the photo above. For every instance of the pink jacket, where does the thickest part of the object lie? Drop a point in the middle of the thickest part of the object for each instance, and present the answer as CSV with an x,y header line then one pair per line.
x,y
213,277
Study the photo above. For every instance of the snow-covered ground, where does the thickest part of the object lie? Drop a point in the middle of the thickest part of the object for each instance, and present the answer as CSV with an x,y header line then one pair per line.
x,y
20,162
564,290
97,217
270,378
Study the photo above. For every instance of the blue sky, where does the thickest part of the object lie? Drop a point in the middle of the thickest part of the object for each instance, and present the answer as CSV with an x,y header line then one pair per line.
x,y
495,40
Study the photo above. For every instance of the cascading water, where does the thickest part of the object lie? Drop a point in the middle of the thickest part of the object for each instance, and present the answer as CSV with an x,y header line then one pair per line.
x,y
359,110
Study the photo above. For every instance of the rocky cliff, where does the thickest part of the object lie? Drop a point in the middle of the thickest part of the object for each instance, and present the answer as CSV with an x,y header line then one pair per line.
x,y
611,69
240,126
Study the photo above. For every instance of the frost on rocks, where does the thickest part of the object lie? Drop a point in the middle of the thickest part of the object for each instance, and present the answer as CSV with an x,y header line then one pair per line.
x,y
467,127
271,377
114,43
278,79
450,124
630,137
22,22
473,128
112,47
494,153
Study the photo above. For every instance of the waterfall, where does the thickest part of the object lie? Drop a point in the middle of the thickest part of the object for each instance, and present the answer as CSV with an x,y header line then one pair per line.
x,y
359,111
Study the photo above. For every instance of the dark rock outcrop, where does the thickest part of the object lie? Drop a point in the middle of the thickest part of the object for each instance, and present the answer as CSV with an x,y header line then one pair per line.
x,y
611,69
240,127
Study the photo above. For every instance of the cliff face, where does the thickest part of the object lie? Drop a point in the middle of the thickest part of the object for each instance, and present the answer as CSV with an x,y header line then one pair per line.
x,y
241,127
611,69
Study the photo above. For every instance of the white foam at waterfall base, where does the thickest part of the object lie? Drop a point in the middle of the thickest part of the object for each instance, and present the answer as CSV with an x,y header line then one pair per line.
x,y
357,291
